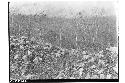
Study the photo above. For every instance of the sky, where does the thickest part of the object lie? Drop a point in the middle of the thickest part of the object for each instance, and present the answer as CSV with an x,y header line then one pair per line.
x,y
65,8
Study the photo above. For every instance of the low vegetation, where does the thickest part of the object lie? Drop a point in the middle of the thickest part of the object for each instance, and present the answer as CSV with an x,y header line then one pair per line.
x,y
53,48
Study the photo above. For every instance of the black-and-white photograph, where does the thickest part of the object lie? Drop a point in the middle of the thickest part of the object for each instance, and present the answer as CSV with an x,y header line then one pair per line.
x,y
63,41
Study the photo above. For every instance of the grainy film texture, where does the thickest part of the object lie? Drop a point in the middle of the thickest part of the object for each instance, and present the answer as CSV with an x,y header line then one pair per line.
x,y
63,40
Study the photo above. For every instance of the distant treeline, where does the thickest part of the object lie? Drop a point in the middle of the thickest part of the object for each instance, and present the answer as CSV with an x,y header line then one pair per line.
x,y
88,32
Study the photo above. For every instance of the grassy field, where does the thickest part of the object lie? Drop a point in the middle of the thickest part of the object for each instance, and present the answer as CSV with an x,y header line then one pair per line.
x,y
102,30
